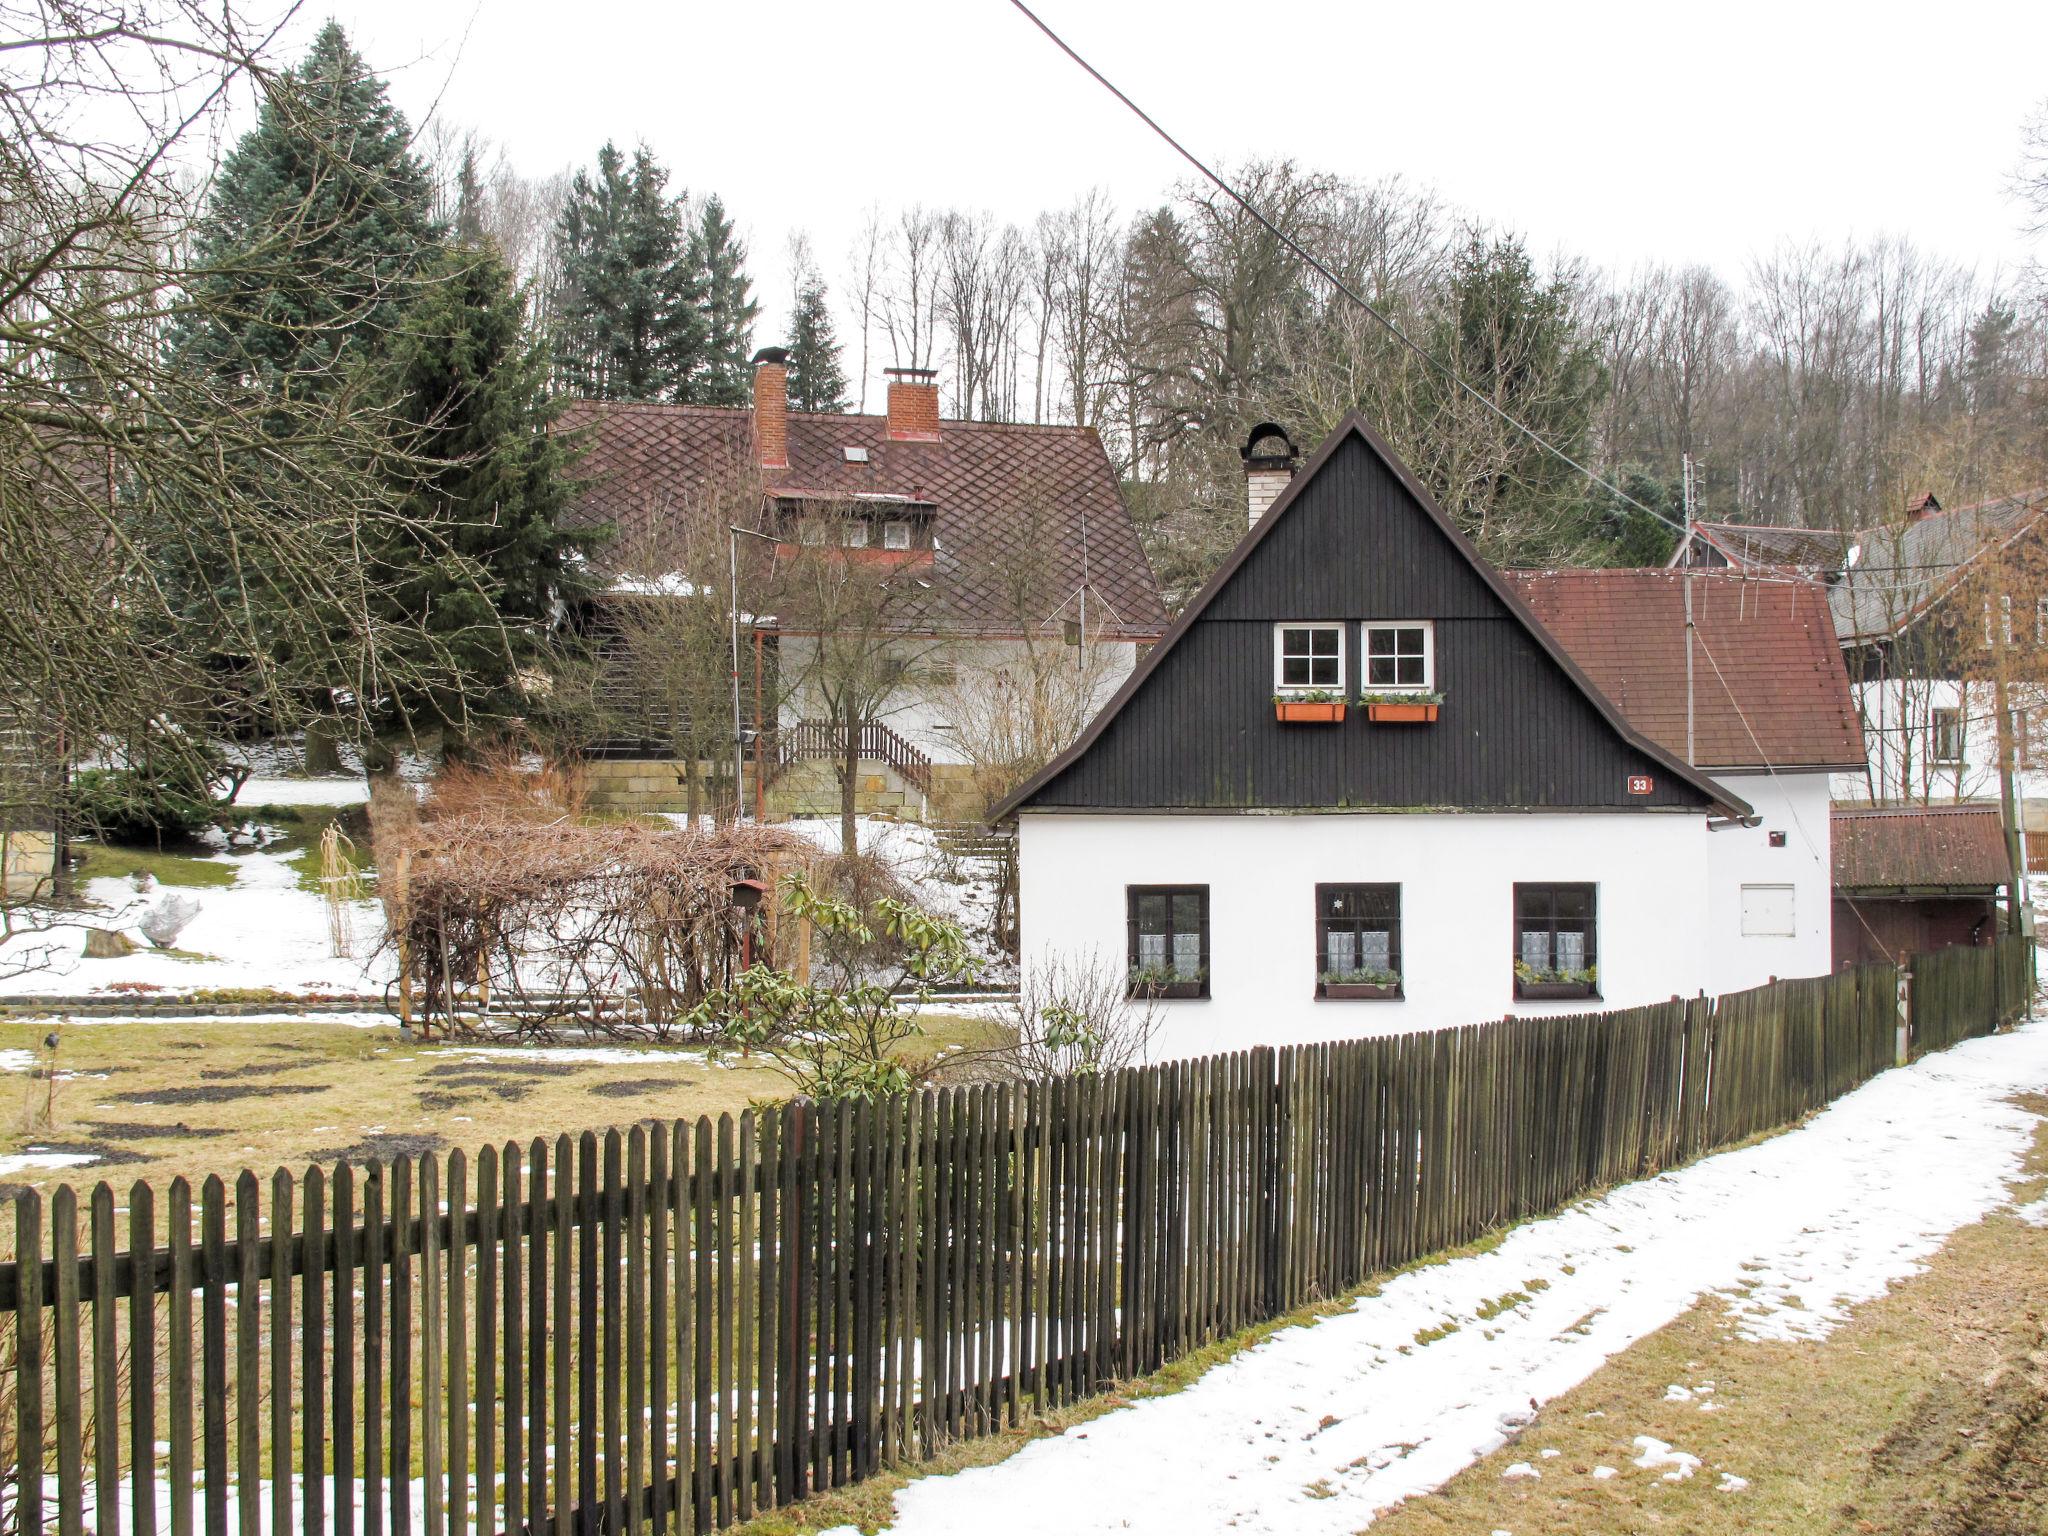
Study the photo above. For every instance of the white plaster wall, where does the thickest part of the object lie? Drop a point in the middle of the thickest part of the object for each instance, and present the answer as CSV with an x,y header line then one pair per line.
x,y
1795,804
1898,731
925,714
1457,877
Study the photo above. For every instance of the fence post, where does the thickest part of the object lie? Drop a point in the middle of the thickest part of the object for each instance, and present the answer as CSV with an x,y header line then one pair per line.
x,y
1903,1050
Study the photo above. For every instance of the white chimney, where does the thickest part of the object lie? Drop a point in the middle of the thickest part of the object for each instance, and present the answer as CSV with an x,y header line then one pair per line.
x,y
1269,462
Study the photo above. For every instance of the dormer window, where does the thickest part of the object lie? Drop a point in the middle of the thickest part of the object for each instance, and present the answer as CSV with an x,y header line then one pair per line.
x,y
1400,658
1308,656
811,531
853,533
896,534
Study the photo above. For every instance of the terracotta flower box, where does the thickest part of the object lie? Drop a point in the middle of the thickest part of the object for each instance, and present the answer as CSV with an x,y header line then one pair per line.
x,y
1362,989
1401,714
1534,991
1309,711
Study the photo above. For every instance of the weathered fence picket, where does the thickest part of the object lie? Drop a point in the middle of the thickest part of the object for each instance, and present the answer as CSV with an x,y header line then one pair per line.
x,y
677,1327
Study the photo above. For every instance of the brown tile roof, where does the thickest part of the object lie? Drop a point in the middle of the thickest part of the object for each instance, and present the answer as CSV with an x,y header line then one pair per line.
x,y
1897,848
1766,655
1007,497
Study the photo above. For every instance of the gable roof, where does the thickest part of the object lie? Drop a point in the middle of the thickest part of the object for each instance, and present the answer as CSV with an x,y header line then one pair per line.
x,y
1769,688
1899,570
1917,848
1004,495
1352,428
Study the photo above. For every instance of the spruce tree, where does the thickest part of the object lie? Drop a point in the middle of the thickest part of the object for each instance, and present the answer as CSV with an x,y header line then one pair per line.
x,y
321,219
491,485
817,381
629,322
717,265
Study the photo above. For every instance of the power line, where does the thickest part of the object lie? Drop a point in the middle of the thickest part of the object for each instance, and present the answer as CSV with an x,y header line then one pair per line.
x,y
1337,282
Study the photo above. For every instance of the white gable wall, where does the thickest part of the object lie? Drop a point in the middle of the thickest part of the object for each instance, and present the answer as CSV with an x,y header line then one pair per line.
x,y
1739,858
1457,875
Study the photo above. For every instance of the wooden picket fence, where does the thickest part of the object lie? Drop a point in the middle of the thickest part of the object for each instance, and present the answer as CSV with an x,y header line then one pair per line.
x,y
678,1326
1964,992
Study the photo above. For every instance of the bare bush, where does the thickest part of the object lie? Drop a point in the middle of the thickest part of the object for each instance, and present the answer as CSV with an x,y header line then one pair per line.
x,y
1074,1015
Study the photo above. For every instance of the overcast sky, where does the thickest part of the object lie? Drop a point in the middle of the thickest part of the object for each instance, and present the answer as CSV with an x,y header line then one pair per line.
x,y
1624,132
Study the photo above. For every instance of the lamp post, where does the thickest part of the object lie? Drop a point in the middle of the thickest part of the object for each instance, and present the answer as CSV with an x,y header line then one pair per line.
x,y
739,744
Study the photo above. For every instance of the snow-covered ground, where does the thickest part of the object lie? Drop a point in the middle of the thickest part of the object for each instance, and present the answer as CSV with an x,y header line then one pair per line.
x,y
1320,1428
263,931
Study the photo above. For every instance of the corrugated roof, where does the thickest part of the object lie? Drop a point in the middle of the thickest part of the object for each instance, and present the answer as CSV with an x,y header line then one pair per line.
x,y
1899,848
1769,686
1009,498
1899,568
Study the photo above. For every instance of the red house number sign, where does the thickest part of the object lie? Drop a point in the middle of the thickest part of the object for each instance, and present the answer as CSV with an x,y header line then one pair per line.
x,y
1641,784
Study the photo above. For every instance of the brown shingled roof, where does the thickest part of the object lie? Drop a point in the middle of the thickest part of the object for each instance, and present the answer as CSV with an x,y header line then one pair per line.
x,y
1918,848
1766,661
1004,494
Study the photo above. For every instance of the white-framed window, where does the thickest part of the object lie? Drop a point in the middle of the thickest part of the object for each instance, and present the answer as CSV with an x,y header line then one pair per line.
x,y
1767,912
1400,658
811,531
1308,656
853,533
1944,735
896,534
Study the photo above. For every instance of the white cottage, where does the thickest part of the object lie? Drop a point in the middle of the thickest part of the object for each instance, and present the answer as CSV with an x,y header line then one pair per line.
x,y
1361,787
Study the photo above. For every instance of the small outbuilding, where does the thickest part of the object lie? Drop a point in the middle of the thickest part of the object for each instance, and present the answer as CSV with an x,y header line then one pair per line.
x,y
1913,878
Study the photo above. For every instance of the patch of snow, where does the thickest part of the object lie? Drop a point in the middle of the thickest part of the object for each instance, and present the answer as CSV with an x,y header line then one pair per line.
x,y
353,790
1730,1483
1677,1394
1853,1200
2035,1214
1519,1469
33,1159
1657,1454
1601,1474
1549,1451
261,932
16,1060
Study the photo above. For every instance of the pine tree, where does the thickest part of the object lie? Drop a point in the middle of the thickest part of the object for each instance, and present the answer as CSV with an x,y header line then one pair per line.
x,y
629,322
492,484
321,219
817,381
717,265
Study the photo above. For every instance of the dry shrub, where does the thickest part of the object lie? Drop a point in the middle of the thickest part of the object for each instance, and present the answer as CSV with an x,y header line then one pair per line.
x,y
497,894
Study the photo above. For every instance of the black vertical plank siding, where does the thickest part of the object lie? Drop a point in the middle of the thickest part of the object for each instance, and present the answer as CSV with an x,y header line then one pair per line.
x,y
1515,730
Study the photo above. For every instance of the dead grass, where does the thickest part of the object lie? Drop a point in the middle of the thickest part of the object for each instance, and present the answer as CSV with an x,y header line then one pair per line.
x,y
1926,1415
175,1097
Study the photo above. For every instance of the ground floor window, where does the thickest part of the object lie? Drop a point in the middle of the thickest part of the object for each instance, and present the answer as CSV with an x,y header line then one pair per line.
x,y
1169,939
1556,938
1358,940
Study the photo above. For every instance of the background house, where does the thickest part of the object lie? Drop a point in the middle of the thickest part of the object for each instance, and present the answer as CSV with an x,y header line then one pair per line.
x,y
1519,843
1010,596
1919,603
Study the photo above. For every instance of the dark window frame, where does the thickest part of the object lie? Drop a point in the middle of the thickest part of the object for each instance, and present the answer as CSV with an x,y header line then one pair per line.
x,y
1527,893
1133,894
1329,891
1945,744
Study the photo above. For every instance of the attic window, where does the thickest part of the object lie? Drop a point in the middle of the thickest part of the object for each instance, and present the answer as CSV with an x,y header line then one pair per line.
x,y
896,534
855,455
1400,658
1308,656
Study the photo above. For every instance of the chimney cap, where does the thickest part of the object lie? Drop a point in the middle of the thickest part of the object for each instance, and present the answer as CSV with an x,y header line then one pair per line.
x,y
912,375
776,355
1268,447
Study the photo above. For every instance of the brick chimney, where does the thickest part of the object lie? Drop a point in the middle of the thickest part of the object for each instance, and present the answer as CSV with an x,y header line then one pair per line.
x,y
1921,506
913,405
1269,461
771,407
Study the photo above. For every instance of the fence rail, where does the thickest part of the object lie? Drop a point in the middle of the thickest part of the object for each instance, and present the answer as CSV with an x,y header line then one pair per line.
x,y
680,1325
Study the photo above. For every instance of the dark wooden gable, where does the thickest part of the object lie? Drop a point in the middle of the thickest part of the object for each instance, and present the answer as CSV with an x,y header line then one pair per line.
x,y
1353,538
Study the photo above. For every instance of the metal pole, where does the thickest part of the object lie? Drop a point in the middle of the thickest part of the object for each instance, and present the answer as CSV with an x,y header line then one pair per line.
x,y
739,747
1690,756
